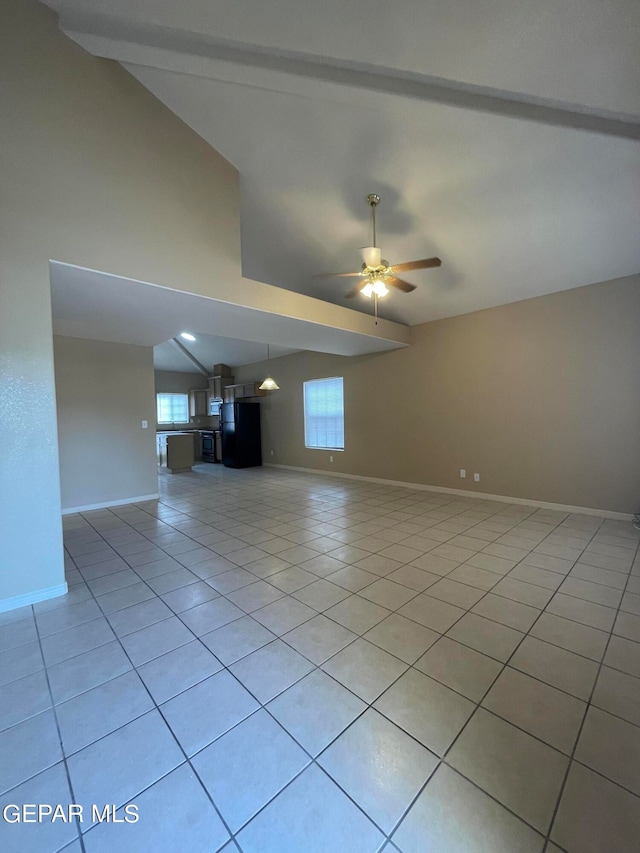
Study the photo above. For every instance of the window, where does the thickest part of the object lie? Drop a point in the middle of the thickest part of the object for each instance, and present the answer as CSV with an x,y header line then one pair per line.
x,y
173,408
324,413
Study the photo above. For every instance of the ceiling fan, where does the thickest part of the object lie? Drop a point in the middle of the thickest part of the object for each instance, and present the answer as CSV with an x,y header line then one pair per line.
x,y
376,273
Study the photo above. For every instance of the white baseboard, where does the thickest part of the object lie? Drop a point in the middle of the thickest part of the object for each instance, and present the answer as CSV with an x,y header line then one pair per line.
x,y
32,597
582,510
136,500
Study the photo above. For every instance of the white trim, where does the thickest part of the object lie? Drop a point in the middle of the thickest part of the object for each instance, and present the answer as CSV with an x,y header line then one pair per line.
x,y
107,504
583,510
32,597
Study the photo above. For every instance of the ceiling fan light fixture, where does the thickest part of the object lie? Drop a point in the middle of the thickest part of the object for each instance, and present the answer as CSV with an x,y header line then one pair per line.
x,y
375,288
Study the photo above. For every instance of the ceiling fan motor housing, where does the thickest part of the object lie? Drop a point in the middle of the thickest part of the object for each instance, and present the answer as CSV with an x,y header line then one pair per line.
x,y
371,258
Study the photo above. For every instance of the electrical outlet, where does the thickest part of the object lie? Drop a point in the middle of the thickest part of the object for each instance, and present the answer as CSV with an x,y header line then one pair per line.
x,y
476,478
463,473
145,424
331,459
271,452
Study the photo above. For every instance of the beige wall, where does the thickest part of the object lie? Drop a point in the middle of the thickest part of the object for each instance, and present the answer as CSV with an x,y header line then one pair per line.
x,y
94,172
541,397
175,382
103,392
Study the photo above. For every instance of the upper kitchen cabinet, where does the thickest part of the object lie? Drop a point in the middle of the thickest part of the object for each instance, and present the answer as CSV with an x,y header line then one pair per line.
x,y
217,384
198,403
242,392
218,381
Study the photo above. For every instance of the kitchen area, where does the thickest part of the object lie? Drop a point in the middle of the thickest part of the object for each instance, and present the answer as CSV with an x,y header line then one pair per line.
x,y
207,419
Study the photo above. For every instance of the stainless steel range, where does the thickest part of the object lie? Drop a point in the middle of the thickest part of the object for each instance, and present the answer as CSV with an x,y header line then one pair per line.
x,y
211,450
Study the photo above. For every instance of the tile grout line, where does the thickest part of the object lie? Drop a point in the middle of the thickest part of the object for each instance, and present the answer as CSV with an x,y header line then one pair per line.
x,y
478,704
262,706
425,591
356,592
59,732
419,592
471,716
442,760
588,706
180,747
158,595
313,760
281,636
528,633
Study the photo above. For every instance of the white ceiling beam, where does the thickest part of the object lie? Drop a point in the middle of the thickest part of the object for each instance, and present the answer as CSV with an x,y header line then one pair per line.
x,y
221,59
191,358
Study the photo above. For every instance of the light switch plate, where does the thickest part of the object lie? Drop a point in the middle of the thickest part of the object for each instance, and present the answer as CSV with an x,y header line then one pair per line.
x,y
145,424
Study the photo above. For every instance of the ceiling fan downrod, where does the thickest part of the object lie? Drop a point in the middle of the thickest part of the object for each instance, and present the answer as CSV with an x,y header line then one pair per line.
x,y
374,201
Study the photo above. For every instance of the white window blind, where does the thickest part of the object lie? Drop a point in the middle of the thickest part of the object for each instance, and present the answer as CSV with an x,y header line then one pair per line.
x,y
173,408
324,413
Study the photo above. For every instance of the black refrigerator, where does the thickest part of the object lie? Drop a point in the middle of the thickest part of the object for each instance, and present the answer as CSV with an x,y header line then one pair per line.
x,y
240,428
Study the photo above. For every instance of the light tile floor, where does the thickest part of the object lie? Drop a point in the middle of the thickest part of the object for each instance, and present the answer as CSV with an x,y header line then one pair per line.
x,y
272,661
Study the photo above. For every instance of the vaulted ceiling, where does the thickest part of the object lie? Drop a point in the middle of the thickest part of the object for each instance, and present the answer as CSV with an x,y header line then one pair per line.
x,y
502,135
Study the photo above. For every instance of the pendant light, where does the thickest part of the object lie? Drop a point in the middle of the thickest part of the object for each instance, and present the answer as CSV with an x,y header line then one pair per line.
x,y
269,384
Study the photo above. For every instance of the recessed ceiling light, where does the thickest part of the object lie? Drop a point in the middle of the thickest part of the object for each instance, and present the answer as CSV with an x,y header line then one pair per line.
x,y
187,336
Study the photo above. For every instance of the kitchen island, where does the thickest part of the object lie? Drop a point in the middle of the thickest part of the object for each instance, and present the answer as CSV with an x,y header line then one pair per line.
x,y
175,451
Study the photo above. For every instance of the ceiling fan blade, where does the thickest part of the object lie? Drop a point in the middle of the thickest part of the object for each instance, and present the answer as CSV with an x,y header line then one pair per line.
x,y
400,284
416,265
354,291
335,274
